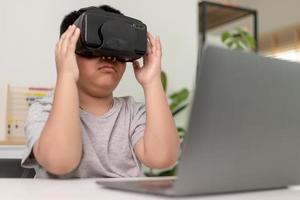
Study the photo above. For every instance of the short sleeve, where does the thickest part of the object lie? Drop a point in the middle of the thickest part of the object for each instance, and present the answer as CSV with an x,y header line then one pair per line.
x,y
36,118
138,123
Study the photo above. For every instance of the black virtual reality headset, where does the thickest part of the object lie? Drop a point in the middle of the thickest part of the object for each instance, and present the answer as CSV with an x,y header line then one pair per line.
x,y
106,34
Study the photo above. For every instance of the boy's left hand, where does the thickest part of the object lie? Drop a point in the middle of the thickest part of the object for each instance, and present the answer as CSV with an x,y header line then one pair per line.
x,y
150,71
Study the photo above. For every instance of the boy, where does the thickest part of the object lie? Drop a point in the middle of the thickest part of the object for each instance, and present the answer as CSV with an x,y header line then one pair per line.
x,y
82,131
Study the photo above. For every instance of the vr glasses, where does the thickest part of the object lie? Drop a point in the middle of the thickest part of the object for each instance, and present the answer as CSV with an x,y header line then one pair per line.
x,y
106,34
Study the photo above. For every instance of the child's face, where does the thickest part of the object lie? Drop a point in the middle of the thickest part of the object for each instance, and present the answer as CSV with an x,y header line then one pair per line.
x,y
97,76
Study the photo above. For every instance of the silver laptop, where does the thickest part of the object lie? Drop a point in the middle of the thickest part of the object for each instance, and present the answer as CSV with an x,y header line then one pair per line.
x,y
243,129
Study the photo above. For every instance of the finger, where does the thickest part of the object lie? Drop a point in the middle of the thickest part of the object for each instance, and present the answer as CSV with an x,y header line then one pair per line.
x,y
152,42
136,64
66,40
68,32
73,40
62,38
158,45
148,47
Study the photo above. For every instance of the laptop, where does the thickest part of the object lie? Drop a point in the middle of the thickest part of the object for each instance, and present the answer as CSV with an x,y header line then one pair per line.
x,y
243,131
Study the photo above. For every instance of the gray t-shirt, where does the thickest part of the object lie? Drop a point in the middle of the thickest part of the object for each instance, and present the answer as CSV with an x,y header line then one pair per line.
x,y
108,140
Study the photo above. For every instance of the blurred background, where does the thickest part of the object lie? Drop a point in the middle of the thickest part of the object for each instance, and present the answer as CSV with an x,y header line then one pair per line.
x,y
30,29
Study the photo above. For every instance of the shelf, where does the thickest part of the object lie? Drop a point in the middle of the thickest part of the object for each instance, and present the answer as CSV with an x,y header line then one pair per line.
x,y
284,39
212,15
218,14
17,141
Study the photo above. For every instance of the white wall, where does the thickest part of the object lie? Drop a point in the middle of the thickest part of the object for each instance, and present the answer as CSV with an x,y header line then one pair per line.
x,y
274,15
29,30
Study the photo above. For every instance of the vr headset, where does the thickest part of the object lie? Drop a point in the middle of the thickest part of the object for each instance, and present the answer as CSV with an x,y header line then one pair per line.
x,y
106,34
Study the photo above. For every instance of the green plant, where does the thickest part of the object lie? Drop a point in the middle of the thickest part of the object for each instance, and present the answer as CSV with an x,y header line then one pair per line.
x,y
238,39
177,103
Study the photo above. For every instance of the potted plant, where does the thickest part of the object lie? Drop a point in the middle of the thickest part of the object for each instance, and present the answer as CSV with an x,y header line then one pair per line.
x,y
238,39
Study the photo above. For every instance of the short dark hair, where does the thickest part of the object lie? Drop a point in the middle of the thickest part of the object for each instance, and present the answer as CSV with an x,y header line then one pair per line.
x,y
70,18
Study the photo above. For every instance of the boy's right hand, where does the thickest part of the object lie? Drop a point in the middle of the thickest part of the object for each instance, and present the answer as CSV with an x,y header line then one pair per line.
x,y
65,57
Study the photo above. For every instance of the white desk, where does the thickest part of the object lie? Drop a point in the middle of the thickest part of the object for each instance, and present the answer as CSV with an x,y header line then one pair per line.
x,y
37,189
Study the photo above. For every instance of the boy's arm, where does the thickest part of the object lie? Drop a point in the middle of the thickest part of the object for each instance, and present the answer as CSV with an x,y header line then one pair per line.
x,y
159,148
58,150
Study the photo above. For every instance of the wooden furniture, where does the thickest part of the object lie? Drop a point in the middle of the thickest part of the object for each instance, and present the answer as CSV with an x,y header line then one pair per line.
x,y
19,141
283,39
212,15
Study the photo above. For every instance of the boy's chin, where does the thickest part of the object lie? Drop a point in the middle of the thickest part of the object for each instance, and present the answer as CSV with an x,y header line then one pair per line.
x,y
98,92
102,90
99,88
106,86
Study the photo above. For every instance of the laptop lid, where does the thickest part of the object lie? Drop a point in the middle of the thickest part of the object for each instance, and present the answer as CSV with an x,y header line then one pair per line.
x,y
244,125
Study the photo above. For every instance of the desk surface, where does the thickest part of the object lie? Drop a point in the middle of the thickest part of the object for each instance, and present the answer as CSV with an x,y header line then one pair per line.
x,y
86,189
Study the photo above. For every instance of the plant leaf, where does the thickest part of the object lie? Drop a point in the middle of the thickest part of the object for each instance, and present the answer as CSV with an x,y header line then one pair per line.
x,y
171,172
181,131
225,36
177,98
179,109
181,94
164,80
239,39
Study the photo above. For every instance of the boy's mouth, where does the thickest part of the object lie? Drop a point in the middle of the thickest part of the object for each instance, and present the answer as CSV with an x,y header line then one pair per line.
x,y
107,67
108,64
